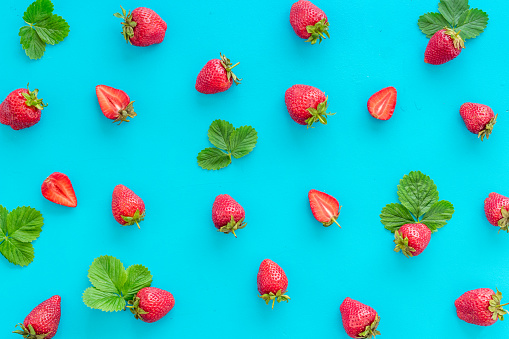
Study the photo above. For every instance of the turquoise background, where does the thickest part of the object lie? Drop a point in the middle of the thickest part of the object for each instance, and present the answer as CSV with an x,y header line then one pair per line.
x,y
356,158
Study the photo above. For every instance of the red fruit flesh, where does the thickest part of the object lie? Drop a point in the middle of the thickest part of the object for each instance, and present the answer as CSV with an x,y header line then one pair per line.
x,y
21,109
272,282
125,204
216,76
325,207
496,208
443,46
381,105
474,307
115,104
154,301
44,319
412,239
58,189
303,14
227,214
479,119
359,320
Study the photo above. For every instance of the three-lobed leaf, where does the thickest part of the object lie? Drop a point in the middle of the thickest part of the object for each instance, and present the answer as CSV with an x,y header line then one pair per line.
x,y
472,23
430,23
438,215
242,141
138,277
417,192
394,216
452,10
104,301
213,159
219,134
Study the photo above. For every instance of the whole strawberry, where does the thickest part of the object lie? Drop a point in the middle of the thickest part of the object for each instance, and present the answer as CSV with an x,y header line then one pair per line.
x,y
143,27
227,214
216,76
309,22
272,282
480,307
325,208
496,208
21,109
478,118
306,105
115,103
412,239
443,46
43,321
151,304
359,320
127,207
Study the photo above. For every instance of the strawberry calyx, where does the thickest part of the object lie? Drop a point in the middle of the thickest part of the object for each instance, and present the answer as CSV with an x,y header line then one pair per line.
x,y
318,114
496,308
125,113
29,333
31,99
134,306
278,296
128,24
402,245
135,219
226,63
318,31
458,42
232,226
370,331
488,128
333,219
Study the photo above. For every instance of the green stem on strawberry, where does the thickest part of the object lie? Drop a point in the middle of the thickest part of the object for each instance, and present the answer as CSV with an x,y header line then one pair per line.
x,y
503,223
31,99
318,31
456,38
496,308
232,226
402,245
278,296
128,25
488,129
125,113
226,63
135,219
134,307
29,333
334,219
370,330
318,114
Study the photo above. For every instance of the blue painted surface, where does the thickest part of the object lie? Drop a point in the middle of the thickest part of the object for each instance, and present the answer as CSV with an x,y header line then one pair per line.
x,y
355,158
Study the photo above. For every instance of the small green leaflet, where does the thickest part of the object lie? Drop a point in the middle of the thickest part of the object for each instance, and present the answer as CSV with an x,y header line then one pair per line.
x,y
43,28
456,14
419,203
17,231
113,285
230,141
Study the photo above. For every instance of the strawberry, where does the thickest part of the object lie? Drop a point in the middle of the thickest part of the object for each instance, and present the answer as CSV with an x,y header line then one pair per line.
x,y
480,307
43,321
381,104
478,118
496,208
412,239
306,105
309,22
216,76
151,304
21,109
127,207
272,282
143,27
443,46
359,320
325,207
227,214
115,103
57,188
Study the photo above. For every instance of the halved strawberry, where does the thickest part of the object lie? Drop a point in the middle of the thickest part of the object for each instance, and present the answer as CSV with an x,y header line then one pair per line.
x,y
115,104
325,207
381,104
58,189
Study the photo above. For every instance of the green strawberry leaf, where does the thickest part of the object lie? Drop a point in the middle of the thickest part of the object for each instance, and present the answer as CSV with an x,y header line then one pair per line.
x,y
213,159
138,277
107,274
438,215
104,301
31,42
394,216
417,192
3,222
430,23
52,30
219,134
242,141
452,10
472,23
38,11
17,252
24,224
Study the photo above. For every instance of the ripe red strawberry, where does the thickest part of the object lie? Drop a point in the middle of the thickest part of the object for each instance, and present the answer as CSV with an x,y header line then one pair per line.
x,y
115,104
21,109
272,282
496,207
412,239
143,27
309,22
306,105
478,118
325,207
151,304
57,188
227,214
443,46
480,307
216,76
359,320
43,321
381,104
127,207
